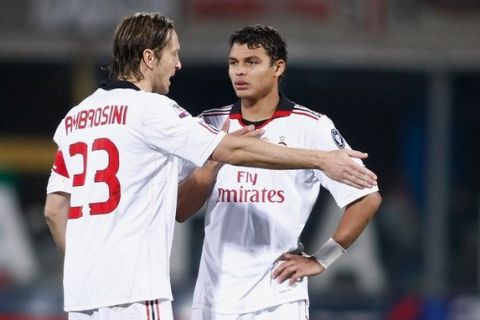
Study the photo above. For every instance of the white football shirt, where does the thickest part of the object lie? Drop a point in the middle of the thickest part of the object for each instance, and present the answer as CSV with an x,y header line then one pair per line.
x,y
122,149
253,215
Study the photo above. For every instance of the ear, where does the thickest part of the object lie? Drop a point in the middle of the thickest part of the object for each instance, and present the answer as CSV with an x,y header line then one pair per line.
x,y
149,58
279,67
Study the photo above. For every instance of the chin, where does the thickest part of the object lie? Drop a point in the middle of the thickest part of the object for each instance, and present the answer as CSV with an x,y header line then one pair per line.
x,y
242,94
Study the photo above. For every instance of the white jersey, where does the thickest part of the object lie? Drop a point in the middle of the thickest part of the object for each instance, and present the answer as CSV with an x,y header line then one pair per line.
x,y
122,150
253,215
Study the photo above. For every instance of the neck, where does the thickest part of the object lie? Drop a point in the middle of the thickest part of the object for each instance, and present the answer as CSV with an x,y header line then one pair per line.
x,y
260,109
142,84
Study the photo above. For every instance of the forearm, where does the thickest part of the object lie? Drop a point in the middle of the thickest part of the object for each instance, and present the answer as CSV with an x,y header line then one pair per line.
x,y
338,164
57,206
195,189
356,218
251,152
353,222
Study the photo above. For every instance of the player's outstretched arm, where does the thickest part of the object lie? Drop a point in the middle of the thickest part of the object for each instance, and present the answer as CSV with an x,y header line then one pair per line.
x,y
57,206
353,222
338,164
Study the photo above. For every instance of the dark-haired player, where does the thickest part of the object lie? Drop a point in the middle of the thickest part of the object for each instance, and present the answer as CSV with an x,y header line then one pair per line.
x,y
254,217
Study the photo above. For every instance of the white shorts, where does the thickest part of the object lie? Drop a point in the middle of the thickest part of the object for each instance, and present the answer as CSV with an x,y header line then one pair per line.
x,y
147,310
297,310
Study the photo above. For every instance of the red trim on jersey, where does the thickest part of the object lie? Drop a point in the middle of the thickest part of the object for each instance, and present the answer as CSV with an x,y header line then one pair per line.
x,y
59,165
147,304
75,212
275,115
284,109
237,116
281,113
157,305
153,309
305,114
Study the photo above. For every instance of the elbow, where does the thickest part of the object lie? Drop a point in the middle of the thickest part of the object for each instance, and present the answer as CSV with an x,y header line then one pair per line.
x,y
376,201
180,219
371,205
50,214
182,214
56,208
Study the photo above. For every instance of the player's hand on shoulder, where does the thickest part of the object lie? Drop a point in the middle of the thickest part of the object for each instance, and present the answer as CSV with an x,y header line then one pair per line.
x,y
340,167
293,267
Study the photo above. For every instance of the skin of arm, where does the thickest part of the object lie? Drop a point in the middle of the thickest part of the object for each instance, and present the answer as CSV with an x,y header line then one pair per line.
x,y
194,190
57,205
337,165
354,220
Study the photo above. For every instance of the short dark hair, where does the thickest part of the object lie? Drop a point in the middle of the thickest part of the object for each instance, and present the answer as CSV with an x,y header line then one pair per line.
x,y
133,35
256,36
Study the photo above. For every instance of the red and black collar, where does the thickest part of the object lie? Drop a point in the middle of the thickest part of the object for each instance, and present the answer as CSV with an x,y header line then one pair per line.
x,y
284,109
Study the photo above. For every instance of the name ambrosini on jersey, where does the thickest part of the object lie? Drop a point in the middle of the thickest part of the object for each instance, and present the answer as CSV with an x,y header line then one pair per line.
x,y
101,116
248,191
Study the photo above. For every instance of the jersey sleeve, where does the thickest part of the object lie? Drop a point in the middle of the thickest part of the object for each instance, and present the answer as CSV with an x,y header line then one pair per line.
x,y
58,183
59,180
169,127
328,138
186,168
215,121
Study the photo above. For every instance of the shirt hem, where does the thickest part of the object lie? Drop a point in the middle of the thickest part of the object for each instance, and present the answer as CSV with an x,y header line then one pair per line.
x,y
250,309
94,306
357,195
209,150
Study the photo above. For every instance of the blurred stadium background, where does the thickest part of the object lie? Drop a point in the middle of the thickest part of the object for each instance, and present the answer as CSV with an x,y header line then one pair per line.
x,y
400,78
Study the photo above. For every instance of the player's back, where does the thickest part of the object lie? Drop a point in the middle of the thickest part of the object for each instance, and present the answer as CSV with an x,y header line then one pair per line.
x,y
118,242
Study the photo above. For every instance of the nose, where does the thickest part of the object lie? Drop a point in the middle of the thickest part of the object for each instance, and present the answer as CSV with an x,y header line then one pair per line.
x,y
239,70
178,65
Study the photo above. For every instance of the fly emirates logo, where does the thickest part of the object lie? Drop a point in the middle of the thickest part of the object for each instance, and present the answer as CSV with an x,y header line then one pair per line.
x,y
249,192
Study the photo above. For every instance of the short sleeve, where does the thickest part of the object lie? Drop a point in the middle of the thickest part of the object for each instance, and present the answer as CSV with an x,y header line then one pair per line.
x,y
59,180
58,183
328,138
186,168
168,128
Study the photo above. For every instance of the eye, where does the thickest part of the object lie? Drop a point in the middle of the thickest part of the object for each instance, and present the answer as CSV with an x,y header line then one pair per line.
x,y
232,63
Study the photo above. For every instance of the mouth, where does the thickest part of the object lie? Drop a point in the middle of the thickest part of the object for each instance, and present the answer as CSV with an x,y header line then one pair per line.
x,y
241,85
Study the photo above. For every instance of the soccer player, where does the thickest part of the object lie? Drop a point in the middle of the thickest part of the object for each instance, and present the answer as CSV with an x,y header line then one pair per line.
x,y
112,193
250,267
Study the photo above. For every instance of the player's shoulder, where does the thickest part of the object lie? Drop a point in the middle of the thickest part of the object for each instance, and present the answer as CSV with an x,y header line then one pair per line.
x,y
216,112
157,98
307,114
